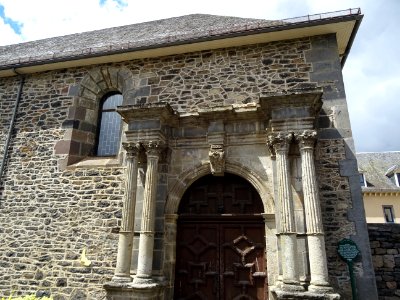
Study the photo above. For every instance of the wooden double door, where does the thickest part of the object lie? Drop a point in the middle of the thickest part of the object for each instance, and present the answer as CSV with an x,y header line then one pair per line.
x,y
220,255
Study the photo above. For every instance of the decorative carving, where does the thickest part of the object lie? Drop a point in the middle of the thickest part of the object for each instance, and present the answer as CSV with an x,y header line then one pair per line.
x,y
132,149
217,159
279,141
306,138
154,148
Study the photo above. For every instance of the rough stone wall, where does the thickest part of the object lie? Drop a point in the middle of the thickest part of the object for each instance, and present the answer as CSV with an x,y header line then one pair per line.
x,y
49,216
335,201
8,97
222,77
385,248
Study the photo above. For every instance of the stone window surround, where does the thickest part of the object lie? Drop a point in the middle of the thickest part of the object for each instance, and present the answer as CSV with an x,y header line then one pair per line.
x,y
76,147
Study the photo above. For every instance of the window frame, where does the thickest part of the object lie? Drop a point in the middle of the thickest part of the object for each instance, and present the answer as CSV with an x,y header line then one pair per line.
x,y
391,212
397,179
100,117
363,180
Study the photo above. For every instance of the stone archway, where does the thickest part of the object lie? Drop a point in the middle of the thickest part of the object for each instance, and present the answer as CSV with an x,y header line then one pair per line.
x,y
175,194
191,175
220,248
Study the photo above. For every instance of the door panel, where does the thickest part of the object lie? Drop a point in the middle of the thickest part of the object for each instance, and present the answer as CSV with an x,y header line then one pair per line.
x,y
220,241
242,261
220,261
196,270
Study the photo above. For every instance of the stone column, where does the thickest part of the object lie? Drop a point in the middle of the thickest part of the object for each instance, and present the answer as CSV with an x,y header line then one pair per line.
x,y
146,240
125,243
315,232
280,143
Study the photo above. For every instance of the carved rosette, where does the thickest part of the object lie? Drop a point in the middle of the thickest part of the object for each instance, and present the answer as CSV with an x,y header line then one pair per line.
x,y
217,159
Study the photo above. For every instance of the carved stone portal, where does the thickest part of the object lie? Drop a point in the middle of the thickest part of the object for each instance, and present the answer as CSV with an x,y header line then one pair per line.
x,y
217,160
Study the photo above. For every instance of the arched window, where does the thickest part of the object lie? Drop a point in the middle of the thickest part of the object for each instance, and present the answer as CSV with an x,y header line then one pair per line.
x,y
109,128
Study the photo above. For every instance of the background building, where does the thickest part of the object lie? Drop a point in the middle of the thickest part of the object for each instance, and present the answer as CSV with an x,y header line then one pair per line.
x,y
380,181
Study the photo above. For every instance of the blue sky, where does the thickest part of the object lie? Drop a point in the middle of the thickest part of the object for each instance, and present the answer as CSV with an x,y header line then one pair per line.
x,y
371,73
15,25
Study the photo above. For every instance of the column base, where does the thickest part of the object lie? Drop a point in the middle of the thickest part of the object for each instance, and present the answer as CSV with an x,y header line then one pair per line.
x,y
280,293
131,291
117,278
291,286
320,288
145,282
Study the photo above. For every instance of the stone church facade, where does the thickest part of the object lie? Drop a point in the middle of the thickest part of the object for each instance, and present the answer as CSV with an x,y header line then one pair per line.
x,y
232,174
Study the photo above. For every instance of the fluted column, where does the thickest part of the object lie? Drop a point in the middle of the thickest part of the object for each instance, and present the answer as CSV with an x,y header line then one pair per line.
x,y
315,232
125,243
280,143
146,240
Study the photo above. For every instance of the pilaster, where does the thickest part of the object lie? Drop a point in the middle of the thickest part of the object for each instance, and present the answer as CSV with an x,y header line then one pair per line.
x,y
146,240
315,235
125,243
280,142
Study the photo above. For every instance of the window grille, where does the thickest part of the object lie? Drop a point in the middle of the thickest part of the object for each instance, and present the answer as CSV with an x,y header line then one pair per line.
x,y
109,130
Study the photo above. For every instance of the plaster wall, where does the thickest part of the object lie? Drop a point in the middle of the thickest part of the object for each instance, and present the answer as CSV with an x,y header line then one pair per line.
x,y
374,207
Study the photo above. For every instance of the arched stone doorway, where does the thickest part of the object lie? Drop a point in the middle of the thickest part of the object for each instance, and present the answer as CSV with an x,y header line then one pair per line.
x,y
220,244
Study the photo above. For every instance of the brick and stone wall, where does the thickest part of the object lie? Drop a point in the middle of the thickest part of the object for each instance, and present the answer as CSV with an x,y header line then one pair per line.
x,y
385,248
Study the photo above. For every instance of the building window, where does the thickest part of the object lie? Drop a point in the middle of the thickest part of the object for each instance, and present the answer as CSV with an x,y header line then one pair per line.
x,y
388,213
363,182
109,128
397,179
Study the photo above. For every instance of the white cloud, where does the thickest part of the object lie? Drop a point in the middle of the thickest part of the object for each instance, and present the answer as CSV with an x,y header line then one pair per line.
x,y
7,34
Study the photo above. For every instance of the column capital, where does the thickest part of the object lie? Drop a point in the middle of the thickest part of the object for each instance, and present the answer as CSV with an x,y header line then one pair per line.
x,y
279,141
306,138
132,149
153,148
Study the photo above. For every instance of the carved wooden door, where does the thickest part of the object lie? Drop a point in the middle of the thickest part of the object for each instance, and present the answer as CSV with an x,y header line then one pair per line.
x,y
220,255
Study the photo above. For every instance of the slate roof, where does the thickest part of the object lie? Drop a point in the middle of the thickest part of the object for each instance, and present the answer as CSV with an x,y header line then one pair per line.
x,y
159,32
375,166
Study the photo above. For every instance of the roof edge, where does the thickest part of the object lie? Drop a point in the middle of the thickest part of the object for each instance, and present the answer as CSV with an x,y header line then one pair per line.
x,y
287,24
